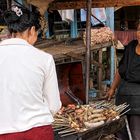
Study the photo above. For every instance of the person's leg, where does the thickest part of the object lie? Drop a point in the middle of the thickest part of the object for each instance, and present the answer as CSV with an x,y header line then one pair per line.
x,y
40,133
134,123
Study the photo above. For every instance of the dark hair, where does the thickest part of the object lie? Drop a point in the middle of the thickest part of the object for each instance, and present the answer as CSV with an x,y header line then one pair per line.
x,y
19,23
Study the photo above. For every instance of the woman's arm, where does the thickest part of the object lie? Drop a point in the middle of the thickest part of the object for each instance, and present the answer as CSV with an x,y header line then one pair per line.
x,y
114,85
51,90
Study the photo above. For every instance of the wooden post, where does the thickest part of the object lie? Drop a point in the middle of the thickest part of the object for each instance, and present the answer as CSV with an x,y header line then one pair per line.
x,y
88,45
100,71
110,23
74,32
8,4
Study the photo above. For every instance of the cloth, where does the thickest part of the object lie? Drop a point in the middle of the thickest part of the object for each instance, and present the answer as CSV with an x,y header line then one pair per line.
x,y
119,45
37,133
125,36
67,15
129,93
134,123
29,95
97,12
129,88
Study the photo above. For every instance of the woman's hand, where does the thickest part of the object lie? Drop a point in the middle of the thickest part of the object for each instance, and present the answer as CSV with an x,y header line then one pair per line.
x,y
110,94
114,86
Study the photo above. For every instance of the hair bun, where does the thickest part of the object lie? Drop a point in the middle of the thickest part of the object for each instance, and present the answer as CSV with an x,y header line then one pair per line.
x,y
10,17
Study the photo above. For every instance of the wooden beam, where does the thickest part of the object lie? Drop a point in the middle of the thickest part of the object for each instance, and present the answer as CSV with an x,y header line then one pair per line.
x,y
78,4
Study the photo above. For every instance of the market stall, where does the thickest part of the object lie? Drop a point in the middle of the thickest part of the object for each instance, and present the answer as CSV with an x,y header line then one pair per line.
x,y
77,4
87,51
69,56
72,50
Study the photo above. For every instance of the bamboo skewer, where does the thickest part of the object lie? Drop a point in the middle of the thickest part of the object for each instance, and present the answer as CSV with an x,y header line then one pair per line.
x,y
124,112
66,123
62,124
68,134
62,128
67,131
120,110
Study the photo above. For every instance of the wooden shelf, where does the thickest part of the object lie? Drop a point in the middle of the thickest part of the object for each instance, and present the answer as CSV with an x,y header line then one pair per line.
x,y
73,49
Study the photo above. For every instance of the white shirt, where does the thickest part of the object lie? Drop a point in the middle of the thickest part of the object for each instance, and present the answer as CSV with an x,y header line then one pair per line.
x,y
29,95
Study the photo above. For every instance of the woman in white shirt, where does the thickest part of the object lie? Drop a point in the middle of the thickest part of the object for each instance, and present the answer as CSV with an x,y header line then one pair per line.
x,y
29,95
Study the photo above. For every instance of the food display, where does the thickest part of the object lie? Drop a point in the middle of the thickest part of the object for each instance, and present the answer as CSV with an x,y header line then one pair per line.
x,y
79,118
100,35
